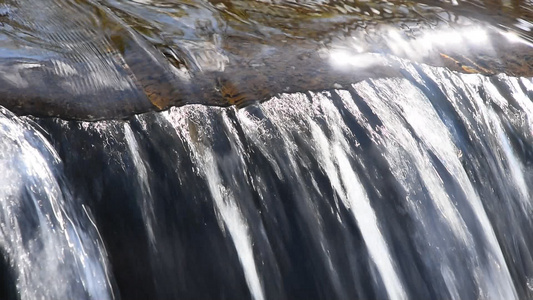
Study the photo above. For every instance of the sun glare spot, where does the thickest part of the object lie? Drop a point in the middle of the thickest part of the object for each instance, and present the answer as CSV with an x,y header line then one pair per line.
x,y
344,59
515,38
340,57
476,35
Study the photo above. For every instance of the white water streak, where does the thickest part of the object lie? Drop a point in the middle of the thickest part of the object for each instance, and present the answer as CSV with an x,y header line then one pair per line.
x,y
147,207
226,206
494,277
333,156
53,257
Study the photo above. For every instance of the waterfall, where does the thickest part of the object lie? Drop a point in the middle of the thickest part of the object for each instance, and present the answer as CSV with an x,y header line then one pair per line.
x,y
411,187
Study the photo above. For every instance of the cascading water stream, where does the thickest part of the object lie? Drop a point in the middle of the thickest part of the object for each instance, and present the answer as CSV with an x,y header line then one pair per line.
x,y
47,238
395,188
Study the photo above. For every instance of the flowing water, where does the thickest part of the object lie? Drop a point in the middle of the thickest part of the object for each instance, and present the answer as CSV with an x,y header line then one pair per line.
x,y
416,185
111,59
356,193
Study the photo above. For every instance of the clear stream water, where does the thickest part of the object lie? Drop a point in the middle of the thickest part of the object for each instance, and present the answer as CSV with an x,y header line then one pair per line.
x,y
415,186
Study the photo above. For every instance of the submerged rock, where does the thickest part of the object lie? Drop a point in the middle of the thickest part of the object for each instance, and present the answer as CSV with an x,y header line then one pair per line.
x,y
111,59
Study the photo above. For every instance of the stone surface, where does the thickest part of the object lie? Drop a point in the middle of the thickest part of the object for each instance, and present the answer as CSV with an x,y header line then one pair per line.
x,y
111,59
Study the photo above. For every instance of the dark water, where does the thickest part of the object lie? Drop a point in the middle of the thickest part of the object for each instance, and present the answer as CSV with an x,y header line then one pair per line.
x,y
410,180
